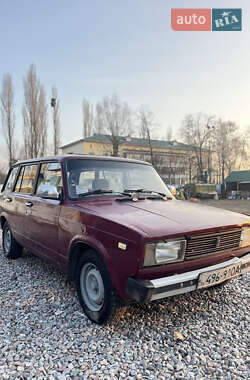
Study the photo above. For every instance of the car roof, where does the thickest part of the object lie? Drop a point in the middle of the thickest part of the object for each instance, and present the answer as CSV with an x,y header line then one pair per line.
x,y
67,157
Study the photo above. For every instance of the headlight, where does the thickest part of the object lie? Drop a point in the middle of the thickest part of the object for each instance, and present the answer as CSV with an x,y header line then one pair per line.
x,y
245,237
170,251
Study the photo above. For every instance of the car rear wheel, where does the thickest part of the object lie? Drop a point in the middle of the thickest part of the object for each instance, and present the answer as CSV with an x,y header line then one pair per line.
x,y
95,290
11,248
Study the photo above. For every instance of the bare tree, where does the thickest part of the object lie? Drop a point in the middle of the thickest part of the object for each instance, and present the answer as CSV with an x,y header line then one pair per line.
x,y
20,151
42,120
56,121
246,133
88,118
230,147
3,173
197,130
146,126
99,121
34,115
169,133
8,115
116,119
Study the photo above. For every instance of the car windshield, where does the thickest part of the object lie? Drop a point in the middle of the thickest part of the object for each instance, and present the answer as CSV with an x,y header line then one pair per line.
x,y
87,175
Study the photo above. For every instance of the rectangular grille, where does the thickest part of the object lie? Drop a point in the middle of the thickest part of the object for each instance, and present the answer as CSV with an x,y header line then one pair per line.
x,y
207,244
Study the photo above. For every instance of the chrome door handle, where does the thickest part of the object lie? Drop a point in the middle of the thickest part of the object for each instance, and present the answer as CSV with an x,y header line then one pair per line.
x,y
29,204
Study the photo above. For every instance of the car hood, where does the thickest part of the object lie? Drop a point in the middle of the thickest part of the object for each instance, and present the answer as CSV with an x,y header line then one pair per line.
x,y
157,218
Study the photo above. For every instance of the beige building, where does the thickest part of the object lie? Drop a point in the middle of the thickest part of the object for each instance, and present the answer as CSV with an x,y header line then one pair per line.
x,y
173,160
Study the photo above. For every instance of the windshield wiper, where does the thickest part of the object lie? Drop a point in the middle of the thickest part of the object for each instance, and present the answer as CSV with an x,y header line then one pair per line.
x,y
143,191
93,192
130,197
103,191
127,193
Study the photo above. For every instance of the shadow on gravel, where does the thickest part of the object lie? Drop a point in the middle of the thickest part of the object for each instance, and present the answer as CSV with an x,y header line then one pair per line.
x,y
176,311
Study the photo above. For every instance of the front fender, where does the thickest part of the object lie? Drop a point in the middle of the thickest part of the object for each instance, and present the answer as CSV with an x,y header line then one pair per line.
x,y
92,243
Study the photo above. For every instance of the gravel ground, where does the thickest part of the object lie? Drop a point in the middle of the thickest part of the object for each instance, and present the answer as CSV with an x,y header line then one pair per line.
x,y
44,335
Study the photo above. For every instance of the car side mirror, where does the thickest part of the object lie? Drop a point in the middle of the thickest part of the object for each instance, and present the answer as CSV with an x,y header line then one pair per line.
x,y
48,191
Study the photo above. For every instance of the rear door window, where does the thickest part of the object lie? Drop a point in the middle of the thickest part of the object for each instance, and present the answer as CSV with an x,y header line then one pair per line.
x,y
26,179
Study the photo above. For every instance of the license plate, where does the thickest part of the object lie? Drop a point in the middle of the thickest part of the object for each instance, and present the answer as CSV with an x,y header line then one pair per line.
x,y
214,277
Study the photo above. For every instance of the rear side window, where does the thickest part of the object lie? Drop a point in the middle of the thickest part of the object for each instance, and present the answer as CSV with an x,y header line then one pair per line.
x,y
11,180
26,180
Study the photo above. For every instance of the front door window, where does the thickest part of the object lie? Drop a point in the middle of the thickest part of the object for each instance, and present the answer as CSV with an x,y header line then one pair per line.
x,y
50,175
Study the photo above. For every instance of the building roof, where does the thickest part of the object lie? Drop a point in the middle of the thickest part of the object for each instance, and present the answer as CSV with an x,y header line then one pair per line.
x,y
239,176
72,143
105,139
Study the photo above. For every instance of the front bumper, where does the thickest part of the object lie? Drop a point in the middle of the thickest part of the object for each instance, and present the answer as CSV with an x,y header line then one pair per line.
x,y
148,290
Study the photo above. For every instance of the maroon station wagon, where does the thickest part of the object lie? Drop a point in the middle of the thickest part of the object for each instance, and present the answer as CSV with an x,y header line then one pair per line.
x,y
113,226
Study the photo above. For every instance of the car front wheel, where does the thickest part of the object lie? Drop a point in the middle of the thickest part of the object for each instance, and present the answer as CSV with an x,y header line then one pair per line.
x,y
95,290
11,248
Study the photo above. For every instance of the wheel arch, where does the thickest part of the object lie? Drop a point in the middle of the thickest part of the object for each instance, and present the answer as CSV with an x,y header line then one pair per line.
x,y
77,250
2,221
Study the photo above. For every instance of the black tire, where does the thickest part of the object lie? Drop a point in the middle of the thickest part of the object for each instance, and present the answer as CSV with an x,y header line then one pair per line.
x,y
99,303
11,248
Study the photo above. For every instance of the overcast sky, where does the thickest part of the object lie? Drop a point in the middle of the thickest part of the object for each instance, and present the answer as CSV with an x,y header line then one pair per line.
x,y
92,48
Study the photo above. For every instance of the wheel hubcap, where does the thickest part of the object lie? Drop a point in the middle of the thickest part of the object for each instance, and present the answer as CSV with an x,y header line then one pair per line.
x,y
7,240
92,287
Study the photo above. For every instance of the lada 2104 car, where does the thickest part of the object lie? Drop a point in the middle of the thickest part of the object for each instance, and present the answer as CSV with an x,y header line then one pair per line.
x,y
113,226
